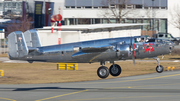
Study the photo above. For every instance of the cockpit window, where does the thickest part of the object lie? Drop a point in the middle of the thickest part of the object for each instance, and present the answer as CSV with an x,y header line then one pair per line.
x,y
151,40
160,35
139,39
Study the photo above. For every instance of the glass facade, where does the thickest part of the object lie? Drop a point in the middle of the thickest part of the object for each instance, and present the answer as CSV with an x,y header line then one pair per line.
x,y
155,24
163,25
159,25
132,4
12,8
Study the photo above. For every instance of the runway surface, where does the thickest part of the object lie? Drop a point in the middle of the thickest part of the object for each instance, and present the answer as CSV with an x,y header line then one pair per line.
x,y
151,87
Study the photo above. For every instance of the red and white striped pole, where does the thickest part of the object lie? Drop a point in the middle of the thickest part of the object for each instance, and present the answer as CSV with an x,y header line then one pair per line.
x,y
59,29
55,18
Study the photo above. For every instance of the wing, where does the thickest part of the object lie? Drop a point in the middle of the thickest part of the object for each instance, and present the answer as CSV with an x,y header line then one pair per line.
x,y
90,53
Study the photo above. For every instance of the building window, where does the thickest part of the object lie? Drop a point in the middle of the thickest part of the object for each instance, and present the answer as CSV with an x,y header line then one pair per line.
x,y
84,21
112,6
163,7
105,7
105,21
69,21
95,7
120,6
155,7
163,26
88,6
122,20
138,6
112,20
129,6
146,7
13,4
1,6
129,21
72,6
68,7
97,21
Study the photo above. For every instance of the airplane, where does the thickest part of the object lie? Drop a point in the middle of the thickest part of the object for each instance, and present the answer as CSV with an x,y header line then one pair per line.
x,y
23,46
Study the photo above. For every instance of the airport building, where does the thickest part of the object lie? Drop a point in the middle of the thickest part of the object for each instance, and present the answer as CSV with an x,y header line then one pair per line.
x,y
159,14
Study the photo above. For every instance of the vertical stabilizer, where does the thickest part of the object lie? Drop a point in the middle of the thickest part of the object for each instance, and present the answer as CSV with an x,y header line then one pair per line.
x,y
17,45
32,38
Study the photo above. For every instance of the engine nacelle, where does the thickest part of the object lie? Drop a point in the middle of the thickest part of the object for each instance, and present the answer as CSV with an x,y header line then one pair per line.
x,y
123,51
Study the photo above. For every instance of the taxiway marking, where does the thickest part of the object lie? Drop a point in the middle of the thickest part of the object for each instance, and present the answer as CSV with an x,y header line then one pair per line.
x,y
111,98
61,95
142,86
134,79
7,99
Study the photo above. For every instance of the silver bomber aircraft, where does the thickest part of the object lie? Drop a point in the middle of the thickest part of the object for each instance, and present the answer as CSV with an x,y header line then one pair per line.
x,y
26,46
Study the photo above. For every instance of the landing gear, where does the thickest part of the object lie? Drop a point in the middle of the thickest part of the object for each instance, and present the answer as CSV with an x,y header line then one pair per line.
x,y
159,68
115,70
103,72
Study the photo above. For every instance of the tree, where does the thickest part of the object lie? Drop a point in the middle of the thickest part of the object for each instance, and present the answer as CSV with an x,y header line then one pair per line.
x,y
175,16
153,24
20,25
115,9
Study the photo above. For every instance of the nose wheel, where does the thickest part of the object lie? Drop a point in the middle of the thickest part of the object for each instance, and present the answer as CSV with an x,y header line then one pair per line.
x,y
159,67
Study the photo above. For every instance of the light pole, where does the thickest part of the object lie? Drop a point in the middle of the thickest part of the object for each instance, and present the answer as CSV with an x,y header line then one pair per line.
x,y
143,24
152,17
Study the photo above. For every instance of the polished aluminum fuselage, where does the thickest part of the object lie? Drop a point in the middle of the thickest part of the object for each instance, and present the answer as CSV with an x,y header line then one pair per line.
x,y
98,50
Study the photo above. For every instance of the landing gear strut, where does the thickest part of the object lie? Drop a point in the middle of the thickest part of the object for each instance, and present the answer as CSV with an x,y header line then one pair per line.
x,y
159,68
103,71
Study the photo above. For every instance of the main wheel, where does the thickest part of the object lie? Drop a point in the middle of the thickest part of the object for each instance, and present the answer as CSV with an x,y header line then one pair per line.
x,y
115,70
103,72
159,69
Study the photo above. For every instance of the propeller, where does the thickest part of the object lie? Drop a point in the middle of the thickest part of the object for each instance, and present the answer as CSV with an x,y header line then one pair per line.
x,y
133,52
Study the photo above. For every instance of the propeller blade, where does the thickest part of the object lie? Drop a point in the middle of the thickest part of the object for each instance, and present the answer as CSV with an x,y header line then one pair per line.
x,y
132,46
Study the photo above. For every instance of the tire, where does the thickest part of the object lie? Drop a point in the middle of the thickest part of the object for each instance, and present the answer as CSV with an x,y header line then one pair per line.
x,y
159,69
116,71
103,72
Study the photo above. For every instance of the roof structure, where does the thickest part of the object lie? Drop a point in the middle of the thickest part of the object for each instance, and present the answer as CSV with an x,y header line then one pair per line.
x,y
5,20
93,26
96,3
